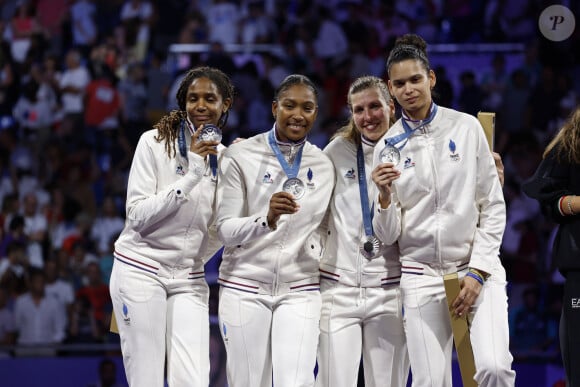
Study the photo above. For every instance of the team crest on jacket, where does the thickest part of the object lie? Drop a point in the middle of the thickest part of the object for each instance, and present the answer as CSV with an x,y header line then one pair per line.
x,y
267,179
126,318
179,170
408,163
309,176
350,174
452,149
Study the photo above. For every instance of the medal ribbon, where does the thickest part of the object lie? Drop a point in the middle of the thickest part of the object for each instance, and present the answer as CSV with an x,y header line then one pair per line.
x,y
290,170
183,149
367,212
392,141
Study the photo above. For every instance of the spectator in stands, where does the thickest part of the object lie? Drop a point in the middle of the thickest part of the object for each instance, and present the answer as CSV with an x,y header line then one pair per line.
x,y
35,229
15,234
10,207
330,41
493,83
529,330
133,93
14,269
83,327
137,18
7,326
22,26
107,224
39,319
97,294
9,80
57,287
102,108
470,94
223,18
73,82
83,25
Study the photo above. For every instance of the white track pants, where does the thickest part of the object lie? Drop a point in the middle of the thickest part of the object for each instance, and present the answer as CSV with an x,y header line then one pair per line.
x,y
429,335
270,338
159,316
361,321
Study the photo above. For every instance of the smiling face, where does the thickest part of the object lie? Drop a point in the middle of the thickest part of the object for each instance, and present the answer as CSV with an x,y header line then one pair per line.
x,y
411,83
371,113
295,111
204,104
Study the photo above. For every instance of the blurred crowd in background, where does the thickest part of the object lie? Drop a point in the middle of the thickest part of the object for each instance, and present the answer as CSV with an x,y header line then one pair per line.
x,y
81,80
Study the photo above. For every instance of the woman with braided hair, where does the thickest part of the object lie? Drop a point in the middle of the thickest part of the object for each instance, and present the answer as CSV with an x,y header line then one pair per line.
x,y
159,293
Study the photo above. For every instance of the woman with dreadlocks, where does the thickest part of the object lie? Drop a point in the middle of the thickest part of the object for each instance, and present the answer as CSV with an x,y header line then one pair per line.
x,y
158,288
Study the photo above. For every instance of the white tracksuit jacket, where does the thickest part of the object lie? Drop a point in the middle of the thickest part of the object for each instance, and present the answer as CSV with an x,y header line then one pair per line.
x,y
257,259
440,179
342,260
170,205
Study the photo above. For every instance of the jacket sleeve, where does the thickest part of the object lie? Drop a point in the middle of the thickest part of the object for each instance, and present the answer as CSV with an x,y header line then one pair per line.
x,y
490,202
234,225
146,205
548,184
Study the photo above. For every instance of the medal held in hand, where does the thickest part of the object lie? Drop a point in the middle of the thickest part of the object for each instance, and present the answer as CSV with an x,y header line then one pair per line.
x,y
210,132
370,246
294,186
390,154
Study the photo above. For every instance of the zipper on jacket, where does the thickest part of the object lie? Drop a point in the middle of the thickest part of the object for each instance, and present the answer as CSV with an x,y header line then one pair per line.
x,y
437,198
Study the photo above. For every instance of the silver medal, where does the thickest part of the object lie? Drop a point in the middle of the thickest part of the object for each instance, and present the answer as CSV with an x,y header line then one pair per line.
x,y
210,132
390,154
294,186
370,246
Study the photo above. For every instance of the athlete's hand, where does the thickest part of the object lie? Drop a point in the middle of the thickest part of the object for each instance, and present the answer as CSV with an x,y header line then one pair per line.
x,y
281,203
202,148
470,289
383,176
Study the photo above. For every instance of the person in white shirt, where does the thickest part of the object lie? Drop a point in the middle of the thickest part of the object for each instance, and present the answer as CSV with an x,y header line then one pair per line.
x,y
440,199
84,28
361,305
158,288
39,319
35,228
56,287
273,192
108,224
137,17
73,83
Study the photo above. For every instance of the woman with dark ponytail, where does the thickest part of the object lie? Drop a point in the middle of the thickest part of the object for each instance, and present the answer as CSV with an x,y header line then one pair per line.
x,y
159,293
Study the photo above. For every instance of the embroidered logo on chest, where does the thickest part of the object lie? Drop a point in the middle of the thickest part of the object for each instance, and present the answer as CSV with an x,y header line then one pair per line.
x,y
454,156
350,174
267,179
309,176
180,170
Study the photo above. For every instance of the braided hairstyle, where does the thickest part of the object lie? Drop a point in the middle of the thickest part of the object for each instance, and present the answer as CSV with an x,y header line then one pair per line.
x,y
168,126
